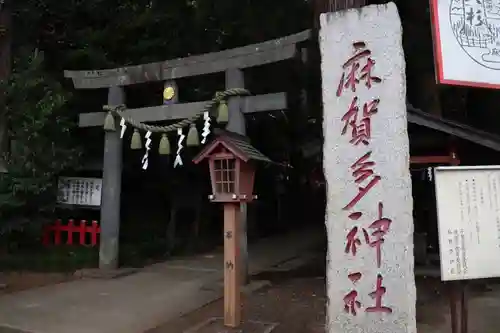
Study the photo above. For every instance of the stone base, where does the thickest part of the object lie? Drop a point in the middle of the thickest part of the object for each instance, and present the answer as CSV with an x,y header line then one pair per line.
x,y
216,325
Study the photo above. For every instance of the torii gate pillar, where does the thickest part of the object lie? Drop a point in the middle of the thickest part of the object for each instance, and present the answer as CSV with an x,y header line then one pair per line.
x,y
236,124
111,189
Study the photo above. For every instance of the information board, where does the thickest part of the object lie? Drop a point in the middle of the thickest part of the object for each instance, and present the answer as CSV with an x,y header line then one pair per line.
x,y
80,191
468,209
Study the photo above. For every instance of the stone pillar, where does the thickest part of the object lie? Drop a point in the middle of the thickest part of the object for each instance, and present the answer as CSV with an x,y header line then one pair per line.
x,y
111,190
370,275
327,6
236,124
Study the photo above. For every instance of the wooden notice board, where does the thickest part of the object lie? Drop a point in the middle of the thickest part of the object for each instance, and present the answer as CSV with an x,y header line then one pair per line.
x,y
468,209
79,191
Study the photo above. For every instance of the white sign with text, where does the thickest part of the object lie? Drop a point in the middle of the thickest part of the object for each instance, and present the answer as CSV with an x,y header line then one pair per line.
x,y
79,191
468,207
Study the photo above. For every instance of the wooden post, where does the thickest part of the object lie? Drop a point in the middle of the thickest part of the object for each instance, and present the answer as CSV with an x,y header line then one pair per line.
x,y
83,228
458,306
111,189
458,289
5,68
71,229
236,124
57,232
232,262
243,243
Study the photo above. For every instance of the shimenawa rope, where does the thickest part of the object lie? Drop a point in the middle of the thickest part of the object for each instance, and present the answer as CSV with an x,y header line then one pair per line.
x,y
219,98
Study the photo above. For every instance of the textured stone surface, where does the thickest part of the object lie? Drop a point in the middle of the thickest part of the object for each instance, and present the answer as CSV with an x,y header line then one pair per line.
x,y
380,28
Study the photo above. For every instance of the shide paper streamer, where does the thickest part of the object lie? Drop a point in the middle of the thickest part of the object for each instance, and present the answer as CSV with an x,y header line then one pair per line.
x,y
178,159
206,127
145,159
124,128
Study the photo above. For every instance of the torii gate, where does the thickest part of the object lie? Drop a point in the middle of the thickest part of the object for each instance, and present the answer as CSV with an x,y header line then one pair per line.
x,y
230,61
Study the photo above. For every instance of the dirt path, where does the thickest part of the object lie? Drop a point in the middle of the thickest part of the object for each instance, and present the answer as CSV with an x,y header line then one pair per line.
x,y
16,281
296,300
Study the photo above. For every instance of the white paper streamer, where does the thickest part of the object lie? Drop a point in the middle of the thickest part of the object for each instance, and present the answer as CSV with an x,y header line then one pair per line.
x,y
429,173
124,128
145,159
178,159
206,127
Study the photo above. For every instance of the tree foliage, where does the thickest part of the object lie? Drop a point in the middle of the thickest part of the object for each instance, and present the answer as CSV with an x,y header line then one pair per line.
x,y
90,34
41,141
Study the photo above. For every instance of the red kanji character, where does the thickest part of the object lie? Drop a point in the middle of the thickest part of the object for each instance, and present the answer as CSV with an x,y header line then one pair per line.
x,y
351,304
352,241
354,277
350,80
361,131
381,227
370,108
367,73
363,170
377,296
351,116
355,216
350,300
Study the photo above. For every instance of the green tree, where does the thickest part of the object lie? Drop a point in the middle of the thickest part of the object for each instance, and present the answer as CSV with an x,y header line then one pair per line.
x,y
89,34
42,146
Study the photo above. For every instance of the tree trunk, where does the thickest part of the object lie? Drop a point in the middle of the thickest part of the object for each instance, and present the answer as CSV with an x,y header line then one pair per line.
x,y
5,68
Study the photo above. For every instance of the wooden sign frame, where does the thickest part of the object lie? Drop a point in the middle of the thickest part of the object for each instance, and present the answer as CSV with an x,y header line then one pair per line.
x,y
465,54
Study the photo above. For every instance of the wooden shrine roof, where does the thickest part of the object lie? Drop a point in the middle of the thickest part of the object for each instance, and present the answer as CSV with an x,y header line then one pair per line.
x,y
422,118
236,143
459,130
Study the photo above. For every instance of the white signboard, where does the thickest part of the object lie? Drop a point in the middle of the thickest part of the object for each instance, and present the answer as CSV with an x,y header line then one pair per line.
x,y
80,191
371,286
468,206
467,42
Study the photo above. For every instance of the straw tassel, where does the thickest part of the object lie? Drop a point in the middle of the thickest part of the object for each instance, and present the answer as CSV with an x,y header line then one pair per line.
x,y
164,147
136,142
222,112
193,139
109,122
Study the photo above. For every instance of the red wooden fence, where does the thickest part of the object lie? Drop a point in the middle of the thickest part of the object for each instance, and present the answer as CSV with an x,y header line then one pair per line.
x,y
82,229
